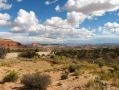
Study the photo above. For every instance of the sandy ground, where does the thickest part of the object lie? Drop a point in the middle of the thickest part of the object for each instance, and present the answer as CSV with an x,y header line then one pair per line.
x,y
11,55
25,67
21,67
15,54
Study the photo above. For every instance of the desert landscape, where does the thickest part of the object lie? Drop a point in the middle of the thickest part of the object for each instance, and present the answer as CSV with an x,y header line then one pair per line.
x,y
59,44
65,69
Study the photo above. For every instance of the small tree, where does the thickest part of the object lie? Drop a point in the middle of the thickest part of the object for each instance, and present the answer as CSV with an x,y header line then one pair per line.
x,y
3,52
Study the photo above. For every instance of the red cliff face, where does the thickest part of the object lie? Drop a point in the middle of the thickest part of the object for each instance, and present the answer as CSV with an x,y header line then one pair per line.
x,y
9,43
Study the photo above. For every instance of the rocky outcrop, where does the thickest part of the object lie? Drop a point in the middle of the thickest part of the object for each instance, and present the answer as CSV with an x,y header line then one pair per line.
x,y
8,43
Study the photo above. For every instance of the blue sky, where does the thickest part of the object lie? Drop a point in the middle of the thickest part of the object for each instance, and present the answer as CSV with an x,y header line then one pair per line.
x,y
60,21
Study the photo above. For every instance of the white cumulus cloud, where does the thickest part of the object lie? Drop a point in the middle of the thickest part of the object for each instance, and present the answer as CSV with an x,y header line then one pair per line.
x,y
90,8
25,22
26,27
54,28
4,5
109,28
75,18
4,19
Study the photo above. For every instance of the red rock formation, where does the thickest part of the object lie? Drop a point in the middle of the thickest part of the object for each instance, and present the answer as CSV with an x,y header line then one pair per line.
x,y
35,45
8,43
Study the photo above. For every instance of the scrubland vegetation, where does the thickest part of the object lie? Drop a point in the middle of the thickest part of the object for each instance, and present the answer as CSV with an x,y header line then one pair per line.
x,y
29,53
64,69
3,52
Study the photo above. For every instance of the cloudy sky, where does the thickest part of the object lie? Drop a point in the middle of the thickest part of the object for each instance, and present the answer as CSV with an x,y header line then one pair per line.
x,y
60,21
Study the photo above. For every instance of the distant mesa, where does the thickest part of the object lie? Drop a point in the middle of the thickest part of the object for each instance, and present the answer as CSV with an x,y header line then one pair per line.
x,y
8,43
35,44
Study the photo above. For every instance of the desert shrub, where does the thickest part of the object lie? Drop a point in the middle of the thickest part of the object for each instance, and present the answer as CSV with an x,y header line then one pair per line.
x,y
115,71
107,53
115,75
95,85
5,64
73,67
52,56
112,55
11,77
116,67
77,72
3,52
90,83
58,59
36,81
64,76
105,76
43,55
30,53
100,62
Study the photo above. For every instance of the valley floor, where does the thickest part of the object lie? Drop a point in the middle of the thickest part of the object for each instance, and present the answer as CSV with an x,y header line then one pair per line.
x,y
74,82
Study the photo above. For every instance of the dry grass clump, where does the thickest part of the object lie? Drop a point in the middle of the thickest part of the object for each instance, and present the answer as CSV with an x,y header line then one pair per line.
x,y
95,84
5,64
11,77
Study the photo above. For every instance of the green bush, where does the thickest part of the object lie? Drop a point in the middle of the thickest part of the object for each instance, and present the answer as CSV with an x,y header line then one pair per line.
x,y
115,71
3,52
36,81
100,62
105,76
30,53
116,67
57,59
73,67
77,72
95,85
11,77
89,54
